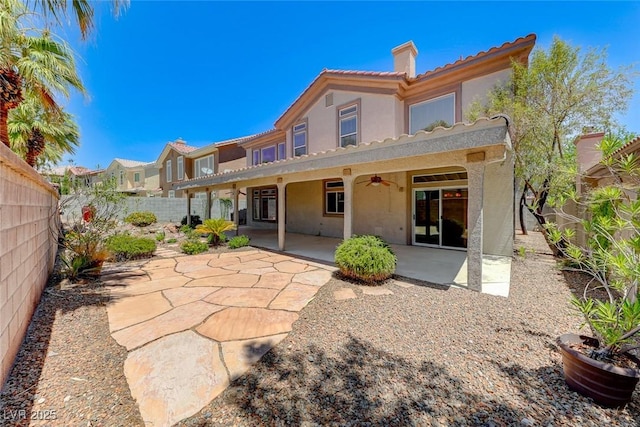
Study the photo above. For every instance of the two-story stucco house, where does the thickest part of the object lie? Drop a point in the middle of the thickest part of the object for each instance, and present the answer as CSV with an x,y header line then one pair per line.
x,y
388,153
134,177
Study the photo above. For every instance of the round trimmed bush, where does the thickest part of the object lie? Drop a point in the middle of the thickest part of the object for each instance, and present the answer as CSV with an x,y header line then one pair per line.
x,y
141,219
193,247
368,259
125,247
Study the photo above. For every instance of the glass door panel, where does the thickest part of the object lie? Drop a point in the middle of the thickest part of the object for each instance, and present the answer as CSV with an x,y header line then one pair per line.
x,y
454,217
425,218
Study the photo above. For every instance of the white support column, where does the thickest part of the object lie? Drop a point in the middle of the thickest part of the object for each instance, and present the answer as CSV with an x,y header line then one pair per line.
x,y
236,211
281,213
475,173
207,213
188,208
348,206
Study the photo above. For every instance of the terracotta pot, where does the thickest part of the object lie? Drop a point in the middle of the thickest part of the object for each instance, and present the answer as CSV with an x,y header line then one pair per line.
x,y
606,384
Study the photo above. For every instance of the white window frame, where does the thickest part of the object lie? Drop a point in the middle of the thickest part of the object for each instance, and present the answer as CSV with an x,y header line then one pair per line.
x,y
334,191
347,113
275,153
300,129
171,194
180,167
206,161
168,170
256,157
417,104
282,154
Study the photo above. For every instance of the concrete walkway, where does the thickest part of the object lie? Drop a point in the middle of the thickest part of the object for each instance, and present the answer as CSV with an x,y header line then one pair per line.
x,y
441,266
192,324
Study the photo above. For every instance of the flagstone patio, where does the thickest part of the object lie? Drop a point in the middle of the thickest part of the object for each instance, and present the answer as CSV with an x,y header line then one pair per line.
x,y
192,324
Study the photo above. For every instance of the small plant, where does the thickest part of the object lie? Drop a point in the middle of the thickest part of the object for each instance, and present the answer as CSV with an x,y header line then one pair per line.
x,y
141,219
365,258
126,247
84,254
215,228
195,221
522,252
193,247
238,242
160,236
172,240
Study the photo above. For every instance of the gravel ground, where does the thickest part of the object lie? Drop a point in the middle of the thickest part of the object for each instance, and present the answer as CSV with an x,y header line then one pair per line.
x,y
427,356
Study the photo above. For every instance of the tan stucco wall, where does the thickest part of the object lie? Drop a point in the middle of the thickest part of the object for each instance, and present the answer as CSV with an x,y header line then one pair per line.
x,y
28,244
232,165
477,89
498,208
382,210
305,211
377,119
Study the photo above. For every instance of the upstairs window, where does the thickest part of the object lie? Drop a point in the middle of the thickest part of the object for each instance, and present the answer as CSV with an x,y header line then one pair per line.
x,y
268,154
171,194
121,177
282,151
256,157
300,139
180,163
168,167
136,177
203,166
432,113
348,125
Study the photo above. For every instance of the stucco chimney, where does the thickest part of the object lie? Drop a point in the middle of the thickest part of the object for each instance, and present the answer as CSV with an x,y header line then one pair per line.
x,y
404,58
587,152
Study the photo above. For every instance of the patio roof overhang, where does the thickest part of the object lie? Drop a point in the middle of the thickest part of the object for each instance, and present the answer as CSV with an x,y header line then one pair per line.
x,y
488,138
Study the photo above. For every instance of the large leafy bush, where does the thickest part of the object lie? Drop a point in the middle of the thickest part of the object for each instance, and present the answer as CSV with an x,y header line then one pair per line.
x,y
215,228
141,219
368,259
125,247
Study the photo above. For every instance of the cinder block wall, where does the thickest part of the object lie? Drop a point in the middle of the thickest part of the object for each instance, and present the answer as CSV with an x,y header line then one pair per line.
x,y
28,245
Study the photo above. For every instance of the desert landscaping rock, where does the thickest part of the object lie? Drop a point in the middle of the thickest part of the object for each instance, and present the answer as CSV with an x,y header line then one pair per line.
x,y
375,290
343,293
127,311
174,377
314,278
294,297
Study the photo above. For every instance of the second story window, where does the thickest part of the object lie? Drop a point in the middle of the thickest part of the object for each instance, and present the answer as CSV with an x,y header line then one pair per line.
x,y
268,154
171,194
121,177
136,177
348,125
168,167
282,151
256,157
432,113
203,166
300,139
180,163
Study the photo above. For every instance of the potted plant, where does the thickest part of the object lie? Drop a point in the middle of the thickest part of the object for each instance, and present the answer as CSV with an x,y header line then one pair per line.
x,y
605,367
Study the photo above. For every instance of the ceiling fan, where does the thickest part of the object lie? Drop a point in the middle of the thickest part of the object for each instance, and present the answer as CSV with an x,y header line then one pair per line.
x,y
375,180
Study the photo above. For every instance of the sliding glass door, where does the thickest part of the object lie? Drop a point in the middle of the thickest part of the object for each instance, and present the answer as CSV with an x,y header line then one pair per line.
x,y
440,217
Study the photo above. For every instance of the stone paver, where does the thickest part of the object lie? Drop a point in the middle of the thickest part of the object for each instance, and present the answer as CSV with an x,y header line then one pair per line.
x,y
174,377
294,297
176,320
240,355
242,297
343,293
129,311
375,290
235,324
177,315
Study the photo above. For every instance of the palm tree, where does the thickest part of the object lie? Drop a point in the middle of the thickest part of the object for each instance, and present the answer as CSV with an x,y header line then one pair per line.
x,y
82,9
41,136
30,60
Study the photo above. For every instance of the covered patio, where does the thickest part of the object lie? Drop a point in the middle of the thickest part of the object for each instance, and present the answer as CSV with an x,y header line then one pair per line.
x,y
475,159
433,265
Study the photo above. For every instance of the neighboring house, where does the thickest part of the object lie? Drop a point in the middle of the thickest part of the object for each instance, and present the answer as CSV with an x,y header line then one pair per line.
x,y
350,156
133,177
71,178
174,166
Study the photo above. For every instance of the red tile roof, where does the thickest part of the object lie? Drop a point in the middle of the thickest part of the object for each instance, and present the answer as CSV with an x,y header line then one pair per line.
x,y
182,147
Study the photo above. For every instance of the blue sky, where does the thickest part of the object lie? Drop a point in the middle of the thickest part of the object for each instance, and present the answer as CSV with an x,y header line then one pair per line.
x,y
210,71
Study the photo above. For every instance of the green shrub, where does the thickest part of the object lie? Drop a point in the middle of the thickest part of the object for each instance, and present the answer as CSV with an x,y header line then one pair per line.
x,y
172,240
141,219
215,228
160,236
193,247
195,221
238,242
125,247
368,259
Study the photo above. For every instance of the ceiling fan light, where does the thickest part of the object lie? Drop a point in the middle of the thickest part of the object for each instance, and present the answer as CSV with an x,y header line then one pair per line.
x,y
375,183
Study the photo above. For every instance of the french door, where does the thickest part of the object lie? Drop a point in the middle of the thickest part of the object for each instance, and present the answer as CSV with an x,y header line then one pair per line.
x,y
440,217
